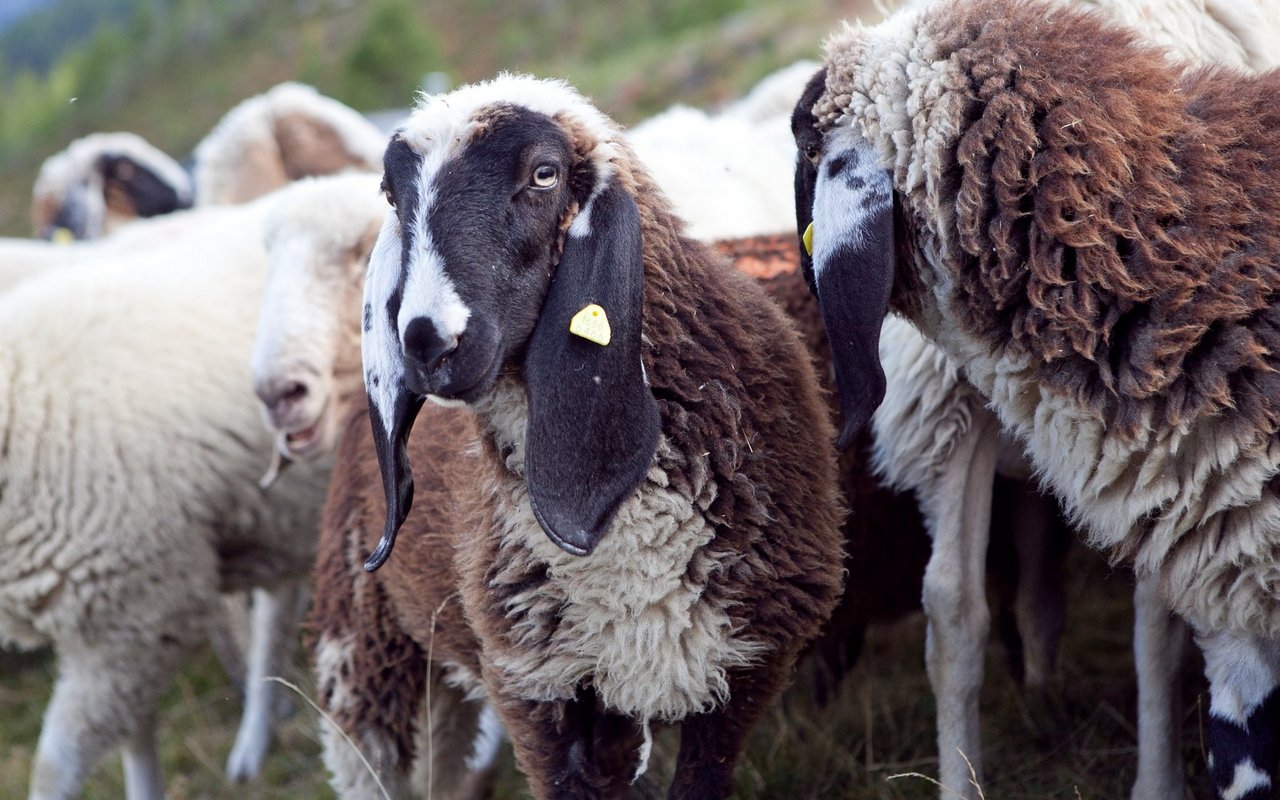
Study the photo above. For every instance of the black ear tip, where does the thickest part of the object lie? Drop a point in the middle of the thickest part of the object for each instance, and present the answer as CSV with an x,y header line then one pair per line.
x,y
847,435
859,409
569,536
381,553
578,543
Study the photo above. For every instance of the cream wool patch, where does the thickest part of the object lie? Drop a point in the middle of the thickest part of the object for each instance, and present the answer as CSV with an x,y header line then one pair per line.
x,y
631,616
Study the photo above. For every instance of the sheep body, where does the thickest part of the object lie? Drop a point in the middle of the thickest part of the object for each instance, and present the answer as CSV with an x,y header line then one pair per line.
x,y
723,170
1095,432
690,600
22,259
1086,242
928,406
127,501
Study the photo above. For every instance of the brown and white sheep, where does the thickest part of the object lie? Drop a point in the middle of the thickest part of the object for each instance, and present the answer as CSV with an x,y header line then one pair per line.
x,y
102,181
291,131
1085,227
655,530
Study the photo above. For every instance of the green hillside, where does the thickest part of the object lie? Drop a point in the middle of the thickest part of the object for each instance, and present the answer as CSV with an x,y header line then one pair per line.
x,y
168,69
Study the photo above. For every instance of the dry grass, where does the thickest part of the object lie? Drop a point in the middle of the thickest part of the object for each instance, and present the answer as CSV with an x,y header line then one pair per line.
x,y
1073,740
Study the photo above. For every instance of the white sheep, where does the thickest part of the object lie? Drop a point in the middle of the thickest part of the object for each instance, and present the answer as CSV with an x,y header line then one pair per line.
x,y
1049,222
723,170
288,132
102,181
23,259
128,501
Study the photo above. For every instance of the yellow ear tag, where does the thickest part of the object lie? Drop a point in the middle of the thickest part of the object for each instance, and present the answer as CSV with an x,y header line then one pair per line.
x,y
63,236
591,324
808,239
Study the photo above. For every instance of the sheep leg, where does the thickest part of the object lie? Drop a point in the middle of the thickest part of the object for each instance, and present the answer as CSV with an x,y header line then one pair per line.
x,y
1040,538
273,630
455,753
570,750
105,696
1244,713
142,777
225,638
1159,640
956,604
370,683
710,743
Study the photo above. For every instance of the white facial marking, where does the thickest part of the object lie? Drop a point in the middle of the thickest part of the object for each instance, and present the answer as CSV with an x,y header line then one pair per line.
x,y
379,344
858,191
428,292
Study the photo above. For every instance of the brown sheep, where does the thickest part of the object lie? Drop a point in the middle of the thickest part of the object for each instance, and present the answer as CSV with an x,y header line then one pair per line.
x,y
1088,229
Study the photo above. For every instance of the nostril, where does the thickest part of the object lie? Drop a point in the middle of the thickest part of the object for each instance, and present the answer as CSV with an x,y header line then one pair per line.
x,y
424,344
294,392
283,396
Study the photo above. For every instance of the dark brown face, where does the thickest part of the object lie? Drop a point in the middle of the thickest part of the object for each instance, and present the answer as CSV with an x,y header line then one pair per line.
x,y
493,248
119,187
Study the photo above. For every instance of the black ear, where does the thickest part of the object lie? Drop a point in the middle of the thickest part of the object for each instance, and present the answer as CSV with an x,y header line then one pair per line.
x,y
390,442
392,405
74,215
853,264
593,422
147,193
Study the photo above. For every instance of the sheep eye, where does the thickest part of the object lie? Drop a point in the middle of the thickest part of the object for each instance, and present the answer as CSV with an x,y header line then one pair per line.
x,y
544,176
386,192
813,154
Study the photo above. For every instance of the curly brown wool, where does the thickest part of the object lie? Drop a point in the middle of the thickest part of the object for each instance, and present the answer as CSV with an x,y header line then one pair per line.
x,y
1089,231
1111,210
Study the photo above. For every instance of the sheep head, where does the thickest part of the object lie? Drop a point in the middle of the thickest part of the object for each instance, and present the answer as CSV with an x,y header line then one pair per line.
x,y
318,237
103,180
844,214
510,222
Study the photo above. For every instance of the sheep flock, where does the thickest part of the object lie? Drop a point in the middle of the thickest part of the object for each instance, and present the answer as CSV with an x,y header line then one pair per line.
x,y
547,457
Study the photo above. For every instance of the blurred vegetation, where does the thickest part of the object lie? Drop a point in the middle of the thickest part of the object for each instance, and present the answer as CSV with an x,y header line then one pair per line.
x,y
169,69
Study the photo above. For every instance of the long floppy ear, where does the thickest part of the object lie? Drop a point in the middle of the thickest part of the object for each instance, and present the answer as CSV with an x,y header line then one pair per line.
x,y
853,269
136,186
392,406
593,422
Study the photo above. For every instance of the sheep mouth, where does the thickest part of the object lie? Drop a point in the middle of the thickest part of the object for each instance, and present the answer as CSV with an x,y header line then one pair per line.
x,y
305,442
299,444
459,381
